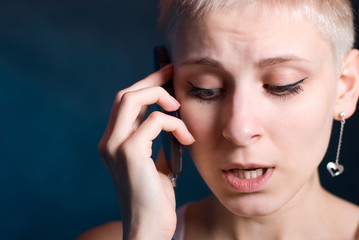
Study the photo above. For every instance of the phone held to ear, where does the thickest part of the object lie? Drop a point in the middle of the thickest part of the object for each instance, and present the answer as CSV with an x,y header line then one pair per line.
x,y
172,147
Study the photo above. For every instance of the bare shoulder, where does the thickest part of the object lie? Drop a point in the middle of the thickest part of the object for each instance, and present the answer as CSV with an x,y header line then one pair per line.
x,y
345,217
107,231
352,212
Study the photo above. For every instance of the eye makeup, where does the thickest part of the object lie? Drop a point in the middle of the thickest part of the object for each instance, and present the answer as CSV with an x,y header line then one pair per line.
x,y
285,90
206,94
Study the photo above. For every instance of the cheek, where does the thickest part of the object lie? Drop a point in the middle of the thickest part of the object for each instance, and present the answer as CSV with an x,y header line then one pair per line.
x,y
202,122
306,143
306,129
200,118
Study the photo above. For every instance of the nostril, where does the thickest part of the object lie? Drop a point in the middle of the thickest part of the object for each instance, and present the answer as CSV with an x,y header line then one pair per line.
x,y
240,136
242,124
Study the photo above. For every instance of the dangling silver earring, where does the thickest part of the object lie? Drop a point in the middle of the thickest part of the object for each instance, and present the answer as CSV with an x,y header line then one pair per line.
x,y
336,169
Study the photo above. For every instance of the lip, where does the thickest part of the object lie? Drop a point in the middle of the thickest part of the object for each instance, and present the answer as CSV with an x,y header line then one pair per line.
x,y
246,166
248,185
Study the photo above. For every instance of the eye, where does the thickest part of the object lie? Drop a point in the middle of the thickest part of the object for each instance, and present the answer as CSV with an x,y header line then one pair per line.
x,y
206,94
285,90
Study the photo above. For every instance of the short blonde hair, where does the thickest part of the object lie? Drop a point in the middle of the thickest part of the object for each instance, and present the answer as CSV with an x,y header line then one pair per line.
x,y
333,18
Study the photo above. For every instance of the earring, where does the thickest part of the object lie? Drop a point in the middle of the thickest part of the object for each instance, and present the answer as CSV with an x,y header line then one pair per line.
x,y
336,169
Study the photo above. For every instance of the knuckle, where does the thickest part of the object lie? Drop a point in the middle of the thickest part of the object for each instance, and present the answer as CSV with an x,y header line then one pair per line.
x,y
123,150
126,98
105,147
117,151
159,89
155,116
109,149
123,96
119,95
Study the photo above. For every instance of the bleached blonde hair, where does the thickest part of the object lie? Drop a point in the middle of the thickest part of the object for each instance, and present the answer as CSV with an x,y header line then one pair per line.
x,y
333,18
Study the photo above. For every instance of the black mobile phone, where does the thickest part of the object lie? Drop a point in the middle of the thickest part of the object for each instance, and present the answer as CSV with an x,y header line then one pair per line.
x,y
172,147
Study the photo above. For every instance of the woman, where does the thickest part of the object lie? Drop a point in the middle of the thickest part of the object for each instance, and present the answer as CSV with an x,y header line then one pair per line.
x,y
257,84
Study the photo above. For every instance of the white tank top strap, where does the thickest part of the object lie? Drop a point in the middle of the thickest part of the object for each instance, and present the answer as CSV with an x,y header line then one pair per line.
x,y
180,228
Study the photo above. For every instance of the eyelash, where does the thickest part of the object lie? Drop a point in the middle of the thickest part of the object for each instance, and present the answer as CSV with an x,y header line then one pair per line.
x,y
285,91
208,95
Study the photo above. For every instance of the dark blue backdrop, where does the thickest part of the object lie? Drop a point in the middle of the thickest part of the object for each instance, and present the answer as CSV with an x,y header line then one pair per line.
x,y
61,64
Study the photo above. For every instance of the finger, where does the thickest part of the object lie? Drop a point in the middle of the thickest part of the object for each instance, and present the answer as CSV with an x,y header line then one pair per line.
x,y
155,123
155,79
132,102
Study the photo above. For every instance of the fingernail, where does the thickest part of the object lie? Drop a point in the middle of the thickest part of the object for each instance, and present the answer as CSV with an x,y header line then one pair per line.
x,y
178,104
175,101
193,140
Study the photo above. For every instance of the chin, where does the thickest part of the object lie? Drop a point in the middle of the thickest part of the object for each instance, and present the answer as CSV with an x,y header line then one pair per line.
x,y
252,204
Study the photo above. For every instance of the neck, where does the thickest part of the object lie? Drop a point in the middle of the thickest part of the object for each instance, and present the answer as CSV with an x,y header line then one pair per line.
x,y
300,212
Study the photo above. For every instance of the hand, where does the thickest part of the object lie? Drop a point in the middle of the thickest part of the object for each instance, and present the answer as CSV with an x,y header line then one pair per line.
x,y
146,194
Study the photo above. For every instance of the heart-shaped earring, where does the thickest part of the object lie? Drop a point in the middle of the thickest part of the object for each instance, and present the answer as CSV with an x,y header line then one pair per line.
x,y
335,169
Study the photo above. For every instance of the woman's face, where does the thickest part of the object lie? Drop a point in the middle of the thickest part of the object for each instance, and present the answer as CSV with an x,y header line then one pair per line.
x,y
258,93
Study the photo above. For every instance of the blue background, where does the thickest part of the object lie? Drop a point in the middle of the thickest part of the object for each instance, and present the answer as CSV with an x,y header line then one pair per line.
x,y
61,64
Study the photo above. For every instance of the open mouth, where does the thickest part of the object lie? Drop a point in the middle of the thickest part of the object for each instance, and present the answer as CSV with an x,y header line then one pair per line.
x,y
248,173
248,180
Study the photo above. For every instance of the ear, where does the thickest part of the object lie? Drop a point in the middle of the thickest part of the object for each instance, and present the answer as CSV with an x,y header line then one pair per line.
x,y
348,86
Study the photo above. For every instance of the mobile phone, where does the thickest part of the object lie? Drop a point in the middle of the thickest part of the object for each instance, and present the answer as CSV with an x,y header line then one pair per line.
x,y
172,147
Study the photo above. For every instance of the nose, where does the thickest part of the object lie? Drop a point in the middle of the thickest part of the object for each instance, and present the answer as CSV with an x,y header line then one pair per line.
x,y
242,120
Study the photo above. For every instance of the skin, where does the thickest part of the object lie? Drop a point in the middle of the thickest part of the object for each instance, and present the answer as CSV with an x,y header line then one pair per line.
x,y
244,115
247,125
236,130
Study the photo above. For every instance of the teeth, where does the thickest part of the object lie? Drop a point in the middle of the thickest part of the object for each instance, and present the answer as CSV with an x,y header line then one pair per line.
x,y
248,174
241,174
254,174
259,172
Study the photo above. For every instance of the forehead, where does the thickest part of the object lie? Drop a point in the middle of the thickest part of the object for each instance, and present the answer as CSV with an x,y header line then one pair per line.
x,y
250,33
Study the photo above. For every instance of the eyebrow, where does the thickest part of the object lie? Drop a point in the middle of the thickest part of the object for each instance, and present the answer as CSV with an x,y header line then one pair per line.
x,y
266,62
203,61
